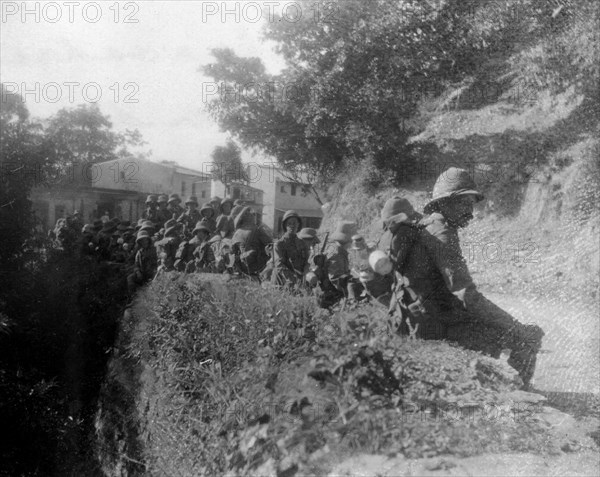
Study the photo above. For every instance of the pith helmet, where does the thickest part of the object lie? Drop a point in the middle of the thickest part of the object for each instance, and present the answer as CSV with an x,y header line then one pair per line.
x,y
215,200
452,183
236,211
288,215
208,209
151,199
174,198
344,232
142,234
201,227
308,234
147,225
87,229
225,202
239,202
192,200
163,199
400,209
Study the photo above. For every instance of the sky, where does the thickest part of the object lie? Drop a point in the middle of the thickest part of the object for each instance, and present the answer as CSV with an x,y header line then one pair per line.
x,y
138,60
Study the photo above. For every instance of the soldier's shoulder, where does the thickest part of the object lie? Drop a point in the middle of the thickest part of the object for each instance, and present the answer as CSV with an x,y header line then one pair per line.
x,y
434,224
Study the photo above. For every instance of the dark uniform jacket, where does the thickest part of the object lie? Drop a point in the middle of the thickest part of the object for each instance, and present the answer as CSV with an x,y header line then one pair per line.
x,y
291,259
252,241
145,263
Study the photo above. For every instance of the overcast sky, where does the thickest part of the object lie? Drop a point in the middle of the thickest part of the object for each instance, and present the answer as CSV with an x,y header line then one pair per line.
x,y
154,61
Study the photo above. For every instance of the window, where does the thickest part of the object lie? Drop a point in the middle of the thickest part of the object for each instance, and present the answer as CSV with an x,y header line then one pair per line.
x,y
182,189
282,189
204,194
122,174
293,189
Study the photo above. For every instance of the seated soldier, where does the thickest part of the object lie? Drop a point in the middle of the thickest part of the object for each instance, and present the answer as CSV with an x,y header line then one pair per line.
x,y
144,266
290,253
224,222
207,217
190,217
203,255
174,208
438,292
334,271
168,246
249,241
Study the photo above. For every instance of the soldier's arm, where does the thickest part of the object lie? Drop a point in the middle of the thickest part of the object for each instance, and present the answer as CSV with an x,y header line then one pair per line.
x,y
444,248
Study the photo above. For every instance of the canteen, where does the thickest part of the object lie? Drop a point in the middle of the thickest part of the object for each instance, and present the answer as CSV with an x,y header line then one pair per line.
x,y
380,262
312,279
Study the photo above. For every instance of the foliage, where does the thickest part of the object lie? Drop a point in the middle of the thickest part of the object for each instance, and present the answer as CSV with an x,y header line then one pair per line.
x,y
83,135
26,156
227,164
357,71
249,380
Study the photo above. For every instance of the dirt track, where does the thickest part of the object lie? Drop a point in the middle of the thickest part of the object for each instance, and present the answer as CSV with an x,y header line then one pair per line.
x,y
569,361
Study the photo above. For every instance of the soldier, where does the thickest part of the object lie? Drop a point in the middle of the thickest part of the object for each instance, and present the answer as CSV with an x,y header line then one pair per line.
x,y
162,212
250,242
439,292
190,217
215,203
77,222
338,259
203,254
105,239
290,253
224,225
167,247
87,242
151,208
174,206
144,266
207,214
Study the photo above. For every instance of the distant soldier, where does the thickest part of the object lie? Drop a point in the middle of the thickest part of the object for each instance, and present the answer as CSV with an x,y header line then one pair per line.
x,y
224,223
145,263
190,217
215,203
162,212
77,222
250,242
151,209
167,247
203,254
104,240
87,241
174,206
290,253
437,291
207,218
106,217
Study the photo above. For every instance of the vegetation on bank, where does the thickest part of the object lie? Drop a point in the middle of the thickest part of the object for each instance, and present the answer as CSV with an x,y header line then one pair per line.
x,y
232,377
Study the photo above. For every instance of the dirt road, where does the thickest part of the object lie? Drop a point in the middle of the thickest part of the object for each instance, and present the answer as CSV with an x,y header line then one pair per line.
x,y
570,358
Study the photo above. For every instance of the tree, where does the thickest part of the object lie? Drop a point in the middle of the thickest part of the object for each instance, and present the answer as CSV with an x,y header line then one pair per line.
x,y
26,155
227,164
83,135
357,73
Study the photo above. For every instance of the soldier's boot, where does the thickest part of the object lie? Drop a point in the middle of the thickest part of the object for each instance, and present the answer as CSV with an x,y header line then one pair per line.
x,y
525,347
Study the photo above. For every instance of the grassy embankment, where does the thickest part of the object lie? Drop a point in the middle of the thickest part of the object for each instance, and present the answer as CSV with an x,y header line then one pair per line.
x,y
216,376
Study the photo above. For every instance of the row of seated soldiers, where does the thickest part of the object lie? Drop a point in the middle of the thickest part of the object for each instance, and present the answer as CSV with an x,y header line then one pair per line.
x,y
224,237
